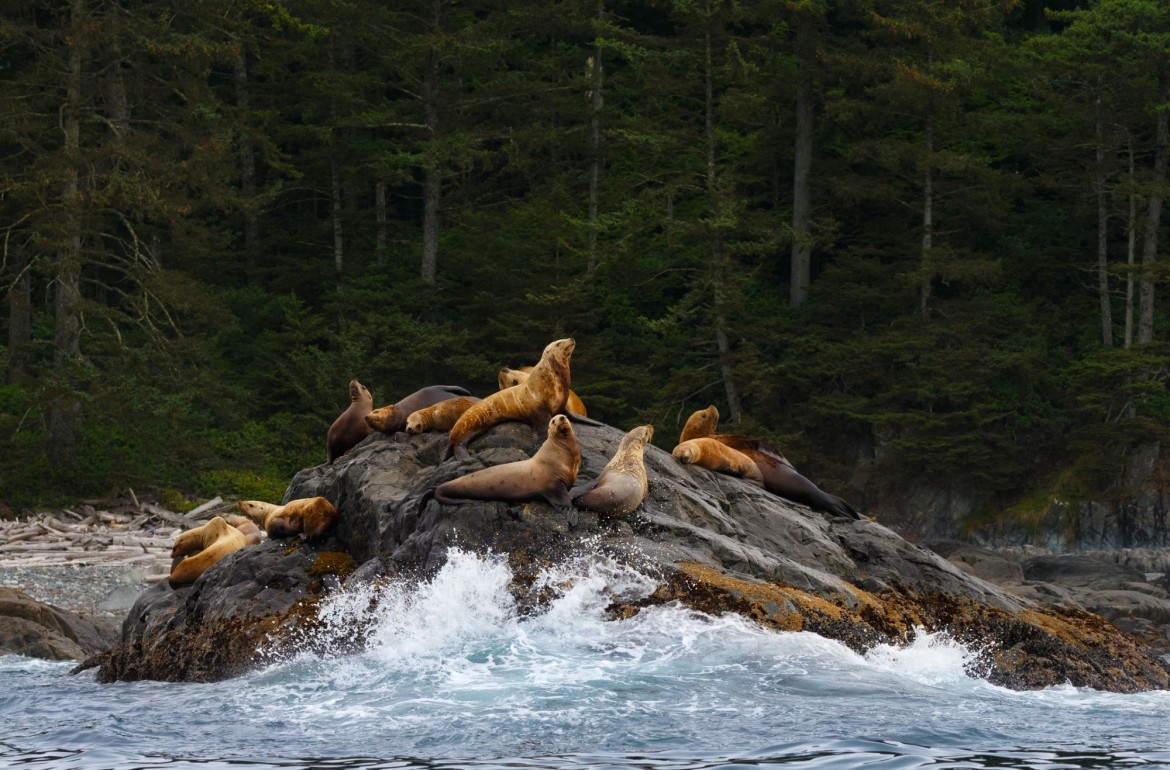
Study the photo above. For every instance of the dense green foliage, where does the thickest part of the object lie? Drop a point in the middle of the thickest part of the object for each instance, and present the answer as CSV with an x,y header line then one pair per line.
x,y
259,186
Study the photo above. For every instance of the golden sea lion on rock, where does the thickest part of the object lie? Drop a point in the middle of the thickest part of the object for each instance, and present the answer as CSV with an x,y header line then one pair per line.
x,y
350,426
309,517
622,484
197,549
549,474
440,416
510,377
392,418
534,401
718,457
780,477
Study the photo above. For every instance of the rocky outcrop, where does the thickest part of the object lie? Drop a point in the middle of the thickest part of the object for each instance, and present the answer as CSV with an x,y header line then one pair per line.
x,y
39,630
714,543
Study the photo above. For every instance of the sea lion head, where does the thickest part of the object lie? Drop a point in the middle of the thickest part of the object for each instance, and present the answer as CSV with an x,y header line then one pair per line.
x,y
510,377
560,427
639,437
685,453
559,350
414,423
380,418
701,423
359,392
254,510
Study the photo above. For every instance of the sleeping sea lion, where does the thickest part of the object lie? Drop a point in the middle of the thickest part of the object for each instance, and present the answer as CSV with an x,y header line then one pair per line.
x,y
309,517
509,377
549,474
534,401
622,484
440,416
718,457
197,549
780,477
350,426
392,418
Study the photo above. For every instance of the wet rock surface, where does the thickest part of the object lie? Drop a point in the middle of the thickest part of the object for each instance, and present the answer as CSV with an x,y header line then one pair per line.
x,y
38,630
715,543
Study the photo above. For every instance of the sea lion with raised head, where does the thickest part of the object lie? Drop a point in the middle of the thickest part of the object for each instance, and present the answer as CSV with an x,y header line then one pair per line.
x,y
308,517
195,550
718,457
533,401
549,474
622,485
350,426
440,416
509,377
392,418
780,477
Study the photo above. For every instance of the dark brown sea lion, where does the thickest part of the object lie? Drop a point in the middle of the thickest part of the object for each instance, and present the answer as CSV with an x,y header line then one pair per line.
x,y
509,377
440,416
622,484
534,401
197,549
392,418
350,427
780,477
549,474
718,457
308,517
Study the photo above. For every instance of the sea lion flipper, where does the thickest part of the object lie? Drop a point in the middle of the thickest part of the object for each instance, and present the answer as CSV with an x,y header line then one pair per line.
x,y
582,419
583,489
456,389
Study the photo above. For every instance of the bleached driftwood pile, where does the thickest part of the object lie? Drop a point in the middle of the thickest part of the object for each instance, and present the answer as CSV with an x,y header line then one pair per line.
x,y
128,532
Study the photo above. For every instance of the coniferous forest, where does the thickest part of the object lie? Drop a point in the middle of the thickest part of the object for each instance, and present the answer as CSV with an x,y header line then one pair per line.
x,y
904,239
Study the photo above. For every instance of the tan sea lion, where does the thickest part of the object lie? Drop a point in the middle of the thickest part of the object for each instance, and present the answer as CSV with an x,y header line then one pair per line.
x,y
780,477
350,426
392,418
197,549
509,377
309,517
622,484
549,474
534,401
440,416
718,457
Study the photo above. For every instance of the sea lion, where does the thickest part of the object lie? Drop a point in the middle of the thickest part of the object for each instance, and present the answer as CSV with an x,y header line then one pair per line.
x,y
392,418
549,474
622,484
198,548
509,377
350,426
309,517
780,476
440,416
718,457
534,401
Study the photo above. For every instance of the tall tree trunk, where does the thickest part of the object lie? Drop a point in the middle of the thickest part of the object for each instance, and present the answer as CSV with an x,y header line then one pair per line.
x,y
1153,220
380,216
338,229
595,136
1130,248
928,267
65,410
246,157
1102,227
19,318
433,186
722,341
801,272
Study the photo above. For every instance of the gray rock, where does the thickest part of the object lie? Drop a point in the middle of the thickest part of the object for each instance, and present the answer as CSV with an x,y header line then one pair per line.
x,y
38,630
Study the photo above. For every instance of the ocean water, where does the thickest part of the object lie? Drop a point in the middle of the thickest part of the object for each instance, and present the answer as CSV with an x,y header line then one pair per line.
x,y
454,676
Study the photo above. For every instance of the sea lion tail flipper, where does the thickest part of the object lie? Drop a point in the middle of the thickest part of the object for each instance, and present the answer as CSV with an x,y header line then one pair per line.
x,y
456,389
849,510
583,489
582,419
